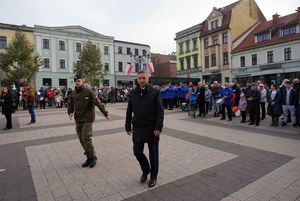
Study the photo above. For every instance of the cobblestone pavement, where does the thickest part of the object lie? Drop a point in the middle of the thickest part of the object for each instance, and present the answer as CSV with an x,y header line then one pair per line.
x,y
200,159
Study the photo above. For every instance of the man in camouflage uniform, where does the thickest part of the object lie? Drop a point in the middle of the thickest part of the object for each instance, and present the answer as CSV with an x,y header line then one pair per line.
x,y
82,102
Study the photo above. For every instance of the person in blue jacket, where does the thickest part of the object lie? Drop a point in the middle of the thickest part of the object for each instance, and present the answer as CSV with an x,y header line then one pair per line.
x,y
170,96
226,94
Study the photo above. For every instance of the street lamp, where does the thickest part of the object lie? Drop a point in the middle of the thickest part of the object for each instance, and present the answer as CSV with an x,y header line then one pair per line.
x,y
140,59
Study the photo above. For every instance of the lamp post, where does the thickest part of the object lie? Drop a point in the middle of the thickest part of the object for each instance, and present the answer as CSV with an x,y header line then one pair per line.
x,y
140,60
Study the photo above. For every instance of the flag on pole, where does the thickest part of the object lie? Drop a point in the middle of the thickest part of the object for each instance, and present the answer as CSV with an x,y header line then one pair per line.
x,y
150,67
129,68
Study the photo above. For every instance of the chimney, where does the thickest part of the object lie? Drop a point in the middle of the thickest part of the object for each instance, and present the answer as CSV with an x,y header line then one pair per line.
x,y
298,11
275,18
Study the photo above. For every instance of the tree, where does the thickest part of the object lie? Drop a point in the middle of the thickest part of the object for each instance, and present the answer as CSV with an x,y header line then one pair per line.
x,y
19,60
90,65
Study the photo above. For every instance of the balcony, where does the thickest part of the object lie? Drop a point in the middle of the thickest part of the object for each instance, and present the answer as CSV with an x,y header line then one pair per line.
x,y
214,68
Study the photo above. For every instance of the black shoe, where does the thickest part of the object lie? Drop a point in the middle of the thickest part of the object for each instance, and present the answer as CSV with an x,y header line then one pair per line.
x,y
222,118
251,123
256,124
144,177
152,183
199,115
283,124
215,114
230,119
93,162
86,163
243,121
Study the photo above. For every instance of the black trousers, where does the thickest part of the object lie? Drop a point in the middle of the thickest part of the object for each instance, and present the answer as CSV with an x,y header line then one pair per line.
x,y
263,109
170,103
201,105
254,113
138,150
228,108
8,120
244,114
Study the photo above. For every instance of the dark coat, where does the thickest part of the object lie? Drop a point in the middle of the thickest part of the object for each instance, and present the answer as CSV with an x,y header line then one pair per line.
x,y
256,95
145,113
7,104
201,94
274,110
293,97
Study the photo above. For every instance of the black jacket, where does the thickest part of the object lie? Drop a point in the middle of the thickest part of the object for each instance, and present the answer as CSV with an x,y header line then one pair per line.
x,y
293,97
255,94
201,94
145,113
215,92
7,104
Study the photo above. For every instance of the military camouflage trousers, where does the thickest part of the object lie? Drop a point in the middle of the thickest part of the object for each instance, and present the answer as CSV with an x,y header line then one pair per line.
x,y
84,131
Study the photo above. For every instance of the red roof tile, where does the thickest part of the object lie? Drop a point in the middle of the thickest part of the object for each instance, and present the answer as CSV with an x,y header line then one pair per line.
x,y
265,26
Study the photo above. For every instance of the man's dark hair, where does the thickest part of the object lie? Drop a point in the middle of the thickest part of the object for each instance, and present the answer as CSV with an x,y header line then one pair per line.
x,y
141,72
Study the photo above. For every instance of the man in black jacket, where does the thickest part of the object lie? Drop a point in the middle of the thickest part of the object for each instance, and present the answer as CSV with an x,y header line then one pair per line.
x,y
201,99
144,103
253,103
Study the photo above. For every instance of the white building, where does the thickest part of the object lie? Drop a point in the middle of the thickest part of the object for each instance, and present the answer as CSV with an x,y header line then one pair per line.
x,y
59,48
127,53
269,51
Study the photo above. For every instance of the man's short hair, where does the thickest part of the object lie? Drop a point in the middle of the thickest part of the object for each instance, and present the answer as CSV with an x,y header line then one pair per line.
x,y
141,72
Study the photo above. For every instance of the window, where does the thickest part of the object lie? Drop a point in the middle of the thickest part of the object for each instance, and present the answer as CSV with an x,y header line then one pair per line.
x,y
137,67
195,57
187,45
215,39
136,51
242,61
144,53
63,82
206,61
61,45
206,43
3,42
195,47
270,57
46,63
225,38
47,82
106,50
46,43
289,30
120,67
181,64
62,63
254,59
263,37
78,47
188,62
120,50
287,54
214,24
225,58
181,48
106,67
213,60
128,50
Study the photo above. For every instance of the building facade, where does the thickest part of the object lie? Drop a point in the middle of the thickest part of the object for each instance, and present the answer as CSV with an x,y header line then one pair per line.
x,y
188,52
59,48
164,65
7,33
220,29
269,52
127,53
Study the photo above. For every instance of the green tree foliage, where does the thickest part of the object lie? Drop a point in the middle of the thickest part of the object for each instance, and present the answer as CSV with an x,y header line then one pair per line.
x,y
90,65
19,62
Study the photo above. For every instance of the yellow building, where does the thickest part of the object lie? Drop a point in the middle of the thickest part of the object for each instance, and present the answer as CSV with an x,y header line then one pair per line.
x,y
221,28
188,53
7,32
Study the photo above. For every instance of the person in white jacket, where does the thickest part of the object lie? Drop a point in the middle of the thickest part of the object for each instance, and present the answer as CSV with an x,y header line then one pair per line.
x,y
263,100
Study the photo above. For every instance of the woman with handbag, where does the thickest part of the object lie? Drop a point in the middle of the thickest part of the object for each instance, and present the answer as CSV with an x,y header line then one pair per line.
x,y
7,107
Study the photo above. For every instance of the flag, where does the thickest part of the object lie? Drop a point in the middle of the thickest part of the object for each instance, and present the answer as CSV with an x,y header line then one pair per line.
x,y
150,68
129,68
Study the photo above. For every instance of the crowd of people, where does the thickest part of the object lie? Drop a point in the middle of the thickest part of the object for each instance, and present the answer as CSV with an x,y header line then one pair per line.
x,y
252,102
255,100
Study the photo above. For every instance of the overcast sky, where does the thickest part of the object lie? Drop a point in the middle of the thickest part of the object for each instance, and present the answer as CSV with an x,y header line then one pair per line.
x,y
152,22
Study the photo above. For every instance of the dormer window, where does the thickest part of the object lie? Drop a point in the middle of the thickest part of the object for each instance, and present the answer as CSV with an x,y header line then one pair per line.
x,y
214,24
288,30
263,37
